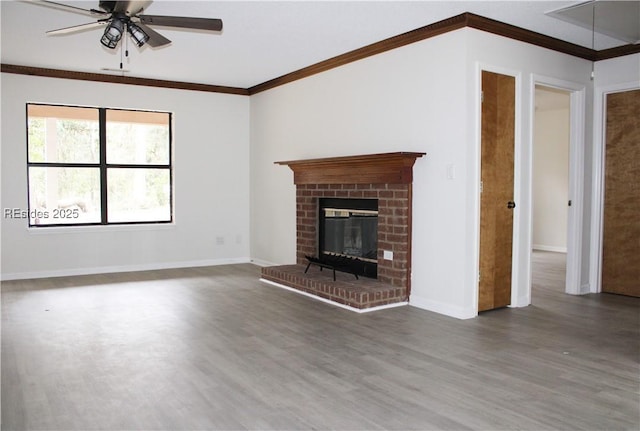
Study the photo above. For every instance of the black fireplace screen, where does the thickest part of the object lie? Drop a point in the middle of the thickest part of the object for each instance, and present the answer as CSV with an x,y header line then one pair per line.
x,y
349,228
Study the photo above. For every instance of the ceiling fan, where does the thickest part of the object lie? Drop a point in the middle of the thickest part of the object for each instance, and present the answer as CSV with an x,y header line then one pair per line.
x,y
122,17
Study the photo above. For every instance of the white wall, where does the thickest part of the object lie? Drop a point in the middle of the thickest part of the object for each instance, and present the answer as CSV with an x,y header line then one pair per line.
x,y
421,97
211,179
551,178
617,71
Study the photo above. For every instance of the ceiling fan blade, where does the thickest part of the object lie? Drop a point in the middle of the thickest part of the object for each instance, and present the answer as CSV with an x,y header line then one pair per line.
x,y
75,28
68,8
155,38
212,24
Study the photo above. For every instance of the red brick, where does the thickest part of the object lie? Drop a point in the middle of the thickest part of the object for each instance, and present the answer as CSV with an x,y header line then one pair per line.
x,y
384,279
401,248
383,245
397,187
396,203
339,300
399,264
324,193
398,220
403,212
400,229
396,238
399,256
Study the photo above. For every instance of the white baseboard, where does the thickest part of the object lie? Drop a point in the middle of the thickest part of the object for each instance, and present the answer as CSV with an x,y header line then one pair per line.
x,y
442,308
522,301
337,304
585,288
542,247
121,268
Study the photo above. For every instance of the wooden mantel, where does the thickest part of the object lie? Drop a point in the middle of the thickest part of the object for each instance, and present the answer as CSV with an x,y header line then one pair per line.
x,y
389,168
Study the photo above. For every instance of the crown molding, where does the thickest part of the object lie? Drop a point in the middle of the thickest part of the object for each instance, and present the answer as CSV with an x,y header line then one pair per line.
x,y
450,24
115,79
517,33
618,51
422,33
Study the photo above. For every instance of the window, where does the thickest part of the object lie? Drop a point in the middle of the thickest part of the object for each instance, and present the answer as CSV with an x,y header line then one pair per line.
x,y
98,166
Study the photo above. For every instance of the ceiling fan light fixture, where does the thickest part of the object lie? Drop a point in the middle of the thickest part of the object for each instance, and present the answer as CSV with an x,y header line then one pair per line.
x,y
112,34
137,34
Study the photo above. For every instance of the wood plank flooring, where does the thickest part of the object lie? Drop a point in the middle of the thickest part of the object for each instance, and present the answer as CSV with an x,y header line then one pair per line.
x,y
214,348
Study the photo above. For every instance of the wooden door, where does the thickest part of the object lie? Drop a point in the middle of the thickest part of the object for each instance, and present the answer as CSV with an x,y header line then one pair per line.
x,y
621,235
496,197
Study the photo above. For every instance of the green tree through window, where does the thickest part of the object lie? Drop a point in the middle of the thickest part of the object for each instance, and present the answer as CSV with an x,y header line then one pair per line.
x,y
98,166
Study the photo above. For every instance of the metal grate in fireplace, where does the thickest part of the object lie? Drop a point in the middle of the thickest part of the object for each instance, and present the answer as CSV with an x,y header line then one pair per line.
x,y
349,228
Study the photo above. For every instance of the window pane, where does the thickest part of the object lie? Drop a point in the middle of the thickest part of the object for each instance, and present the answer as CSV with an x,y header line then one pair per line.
x,y
64,195
63,134
138,194
136,137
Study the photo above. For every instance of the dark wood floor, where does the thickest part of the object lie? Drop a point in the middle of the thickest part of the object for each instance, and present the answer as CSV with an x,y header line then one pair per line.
x,y
214,348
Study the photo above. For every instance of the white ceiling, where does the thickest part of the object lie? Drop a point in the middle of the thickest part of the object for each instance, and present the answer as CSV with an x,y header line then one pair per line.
x,y
261,40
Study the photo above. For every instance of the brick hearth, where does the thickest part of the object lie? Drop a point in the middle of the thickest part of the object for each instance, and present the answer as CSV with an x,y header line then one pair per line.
x,y
362,293
385,177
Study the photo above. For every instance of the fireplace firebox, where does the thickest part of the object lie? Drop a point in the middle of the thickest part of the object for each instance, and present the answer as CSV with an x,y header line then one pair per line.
x,y
348,228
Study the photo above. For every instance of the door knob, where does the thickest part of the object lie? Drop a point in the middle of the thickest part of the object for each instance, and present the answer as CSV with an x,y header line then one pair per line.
x,y
511,205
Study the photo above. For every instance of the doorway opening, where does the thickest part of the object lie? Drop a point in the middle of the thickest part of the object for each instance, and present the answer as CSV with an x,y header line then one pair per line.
x,y
551,198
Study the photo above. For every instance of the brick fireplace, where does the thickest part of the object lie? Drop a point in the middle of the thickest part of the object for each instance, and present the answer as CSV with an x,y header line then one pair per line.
x,y
386,178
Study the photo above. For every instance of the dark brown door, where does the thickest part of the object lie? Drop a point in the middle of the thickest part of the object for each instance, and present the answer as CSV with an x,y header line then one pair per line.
x,y
496,197
621,235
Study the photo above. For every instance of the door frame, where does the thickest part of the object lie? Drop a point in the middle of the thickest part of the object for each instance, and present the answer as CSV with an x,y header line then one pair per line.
x,y
597,203
577,122
517,177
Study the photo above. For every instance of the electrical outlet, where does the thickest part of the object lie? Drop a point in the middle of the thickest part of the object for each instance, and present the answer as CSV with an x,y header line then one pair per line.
x,y
220,240
387,255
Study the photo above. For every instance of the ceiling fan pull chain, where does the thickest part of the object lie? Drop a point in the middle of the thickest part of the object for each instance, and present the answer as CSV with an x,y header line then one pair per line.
x,y
126,41
121,60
